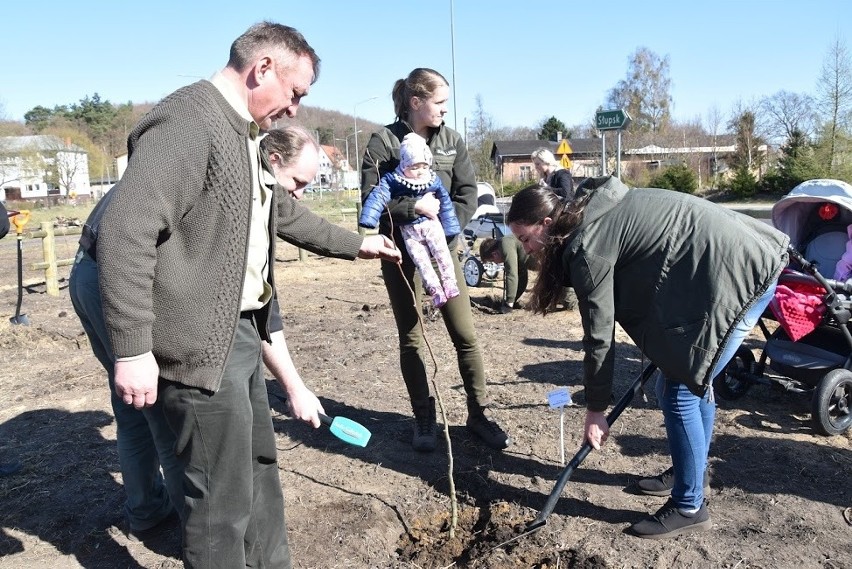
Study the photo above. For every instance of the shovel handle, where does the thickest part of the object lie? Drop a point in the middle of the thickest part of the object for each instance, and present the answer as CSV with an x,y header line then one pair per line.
x,y
324,419
584,451
20,219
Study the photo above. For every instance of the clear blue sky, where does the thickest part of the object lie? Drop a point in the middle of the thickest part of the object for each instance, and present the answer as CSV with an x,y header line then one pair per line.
x,y
526,61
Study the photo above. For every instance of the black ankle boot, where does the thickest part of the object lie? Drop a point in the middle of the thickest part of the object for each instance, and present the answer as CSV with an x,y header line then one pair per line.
x,y
487,430
425,437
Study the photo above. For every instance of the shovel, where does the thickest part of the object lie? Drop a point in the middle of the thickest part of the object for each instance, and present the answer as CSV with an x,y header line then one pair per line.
x,y
541,519
347,430
20,219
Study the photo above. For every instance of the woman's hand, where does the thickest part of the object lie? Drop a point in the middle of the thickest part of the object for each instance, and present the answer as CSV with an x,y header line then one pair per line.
x,y
428,205
596,430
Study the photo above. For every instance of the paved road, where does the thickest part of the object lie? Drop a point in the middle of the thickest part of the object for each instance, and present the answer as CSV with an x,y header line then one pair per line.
x,y
760,211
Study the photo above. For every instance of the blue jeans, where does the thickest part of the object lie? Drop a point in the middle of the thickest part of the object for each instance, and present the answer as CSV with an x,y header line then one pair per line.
x,y
689,418
145,441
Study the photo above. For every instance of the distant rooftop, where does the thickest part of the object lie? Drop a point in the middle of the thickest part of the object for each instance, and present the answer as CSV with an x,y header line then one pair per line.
x,y
12,144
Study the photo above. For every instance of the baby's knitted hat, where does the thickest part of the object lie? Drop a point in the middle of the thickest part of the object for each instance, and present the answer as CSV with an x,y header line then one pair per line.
x,y
413,150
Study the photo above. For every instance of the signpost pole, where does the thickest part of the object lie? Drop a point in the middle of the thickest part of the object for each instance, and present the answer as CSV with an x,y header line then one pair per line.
x,y
616,119
618,157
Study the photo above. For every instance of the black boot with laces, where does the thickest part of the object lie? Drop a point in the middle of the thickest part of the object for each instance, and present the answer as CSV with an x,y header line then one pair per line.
x,y
425,437
487,430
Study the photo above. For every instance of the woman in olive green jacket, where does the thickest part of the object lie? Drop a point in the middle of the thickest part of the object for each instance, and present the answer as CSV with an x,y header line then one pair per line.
x,y
420,103
685,278
516,264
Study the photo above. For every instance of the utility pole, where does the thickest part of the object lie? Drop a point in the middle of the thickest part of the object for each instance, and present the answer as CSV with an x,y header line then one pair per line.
x,y
355,114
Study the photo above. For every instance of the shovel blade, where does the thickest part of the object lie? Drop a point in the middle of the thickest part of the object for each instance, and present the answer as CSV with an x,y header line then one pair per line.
x,y
349,431
21,319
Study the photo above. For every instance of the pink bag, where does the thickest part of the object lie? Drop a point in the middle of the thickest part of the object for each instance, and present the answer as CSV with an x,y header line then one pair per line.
x,y
798,307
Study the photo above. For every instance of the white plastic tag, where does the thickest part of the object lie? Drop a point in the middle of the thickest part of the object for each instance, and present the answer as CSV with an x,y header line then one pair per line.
x,y
559,398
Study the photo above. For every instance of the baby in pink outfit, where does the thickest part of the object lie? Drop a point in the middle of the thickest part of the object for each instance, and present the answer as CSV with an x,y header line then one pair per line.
x,y
843,270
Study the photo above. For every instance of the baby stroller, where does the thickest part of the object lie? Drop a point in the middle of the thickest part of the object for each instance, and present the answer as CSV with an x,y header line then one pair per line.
x,y
811,349
487,221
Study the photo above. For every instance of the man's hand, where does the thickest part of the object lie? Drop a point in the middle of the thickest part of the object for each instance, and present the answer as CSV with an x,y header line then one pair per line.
x,y
136,380
596,430
304,405
379,247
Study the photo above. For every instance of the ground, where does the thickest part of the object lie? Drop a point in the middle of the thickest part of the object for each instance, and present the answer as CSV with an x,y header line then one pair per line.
x,y
781,495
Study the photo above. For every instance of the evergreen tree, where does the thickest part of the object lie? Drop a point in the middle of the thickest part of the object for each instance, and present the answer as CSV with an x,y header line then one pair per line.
x,y
747,155
798,162
743,184
678,177
38,118
551,127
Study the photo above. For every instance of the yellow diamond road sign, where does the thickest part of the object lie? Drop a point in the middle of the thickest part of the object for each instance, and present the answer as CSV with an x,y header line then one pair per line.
x,y
566,163
564,148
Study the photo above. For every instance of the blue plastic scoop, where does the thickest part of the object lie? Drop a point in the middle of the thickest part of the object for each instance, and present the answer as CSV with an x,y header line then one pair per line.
x,y
347,430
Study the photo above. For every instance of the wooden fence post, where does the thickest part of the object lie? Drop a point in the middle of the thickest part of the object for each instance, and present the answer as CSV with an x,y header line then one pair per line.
x,y
48,248
49,265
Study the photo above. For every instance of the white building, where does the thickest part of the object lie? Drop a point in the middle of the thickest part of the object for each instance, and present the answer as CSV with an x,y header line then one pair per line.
x,y
42,166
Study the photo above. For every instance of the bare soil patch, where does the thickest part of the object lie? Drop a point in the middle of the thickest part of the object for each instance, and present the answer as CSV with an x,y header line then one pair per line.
x,y
779,492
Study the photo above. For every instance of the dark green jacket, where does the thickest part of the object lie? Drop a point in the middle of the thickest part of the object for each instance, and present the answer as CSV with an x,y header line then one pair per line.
x,y
4,221
450,161
515,265
675,271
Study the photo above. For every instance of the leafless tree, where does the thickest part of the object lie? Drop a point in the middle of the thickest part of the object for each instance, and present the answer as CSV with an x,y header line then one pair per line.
x,y
67,164
834,97
785,113
480,140
18,164
744,124
645,92
515,133
9,171
714,122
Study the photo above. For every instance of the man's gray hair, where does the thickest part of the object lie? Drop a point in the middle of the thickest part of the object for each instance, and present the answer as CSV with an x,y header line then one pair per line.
x,y
269,38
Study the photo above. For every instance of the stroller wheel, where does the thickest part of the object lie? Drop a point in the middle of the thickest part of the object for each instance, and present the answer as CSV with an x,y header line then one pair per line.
x,y
734,381
832,403
473,271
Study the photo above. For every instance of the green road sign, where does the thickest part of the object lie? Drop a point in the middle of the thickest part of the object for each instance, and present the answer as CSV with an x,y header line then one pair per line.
x,y
611,120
